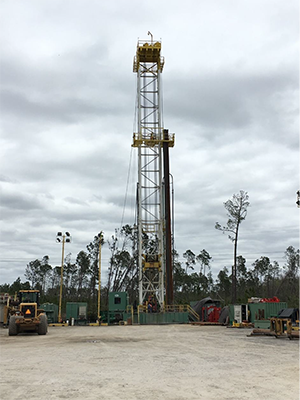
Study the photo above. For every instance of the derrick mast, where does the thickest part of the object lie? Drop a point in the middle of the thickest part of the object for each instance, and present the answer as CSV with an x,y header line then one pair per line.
x,y
149,138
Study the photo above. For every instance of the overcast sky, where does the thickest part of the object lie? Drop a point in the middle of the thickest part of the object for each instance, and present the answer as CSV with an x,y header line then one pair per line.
x,y
230,95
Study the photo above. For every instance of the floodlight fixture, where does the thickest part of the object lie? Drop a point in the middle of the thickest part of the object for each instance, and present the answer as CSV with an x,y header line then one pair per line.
x,y
63,237
298,199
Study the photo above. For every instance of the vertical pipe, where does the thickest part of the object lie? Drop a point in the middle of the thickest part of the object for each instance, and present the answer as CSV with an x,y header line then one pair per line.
x,y
172,220
161,198
99,288
169,270
140,245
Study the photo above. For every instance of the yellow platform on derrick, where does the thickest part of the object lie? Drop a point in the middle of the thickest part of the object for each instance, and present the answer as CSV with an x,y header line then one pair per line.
x,y
148,52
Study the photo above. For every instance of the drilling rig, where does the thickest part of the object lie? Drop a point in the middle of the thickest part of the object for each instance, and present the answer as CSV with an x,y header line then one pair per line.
x,y
153,188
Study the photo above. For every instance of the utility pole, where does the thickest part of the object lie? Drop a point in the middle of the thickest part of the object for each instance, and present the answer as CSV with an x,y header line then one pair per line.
x,y
62,238
100,236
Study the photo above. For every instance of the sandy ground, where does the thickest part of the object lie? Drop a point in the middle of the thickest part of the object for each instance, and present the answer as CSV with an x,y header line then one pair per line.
x,y
176,362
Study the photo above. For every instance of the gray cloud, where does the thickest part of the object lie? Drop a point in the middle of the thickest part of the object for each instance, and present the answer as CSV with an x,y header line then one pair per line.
x,y
230,94
17,201
222,101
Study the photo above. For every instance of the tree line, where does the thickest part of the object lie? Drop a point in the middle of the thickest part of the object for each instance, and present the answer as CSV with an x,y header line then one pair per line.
x,y
193,279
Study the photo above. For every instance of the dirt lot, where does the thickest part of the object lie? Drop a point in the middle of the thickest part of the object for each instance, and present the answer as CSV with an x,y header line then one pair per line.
x,y
176,362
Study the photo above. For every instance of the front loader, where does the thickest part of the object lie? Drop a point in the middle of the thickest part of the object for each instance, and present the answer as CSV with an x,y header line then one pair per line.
x,y
25,315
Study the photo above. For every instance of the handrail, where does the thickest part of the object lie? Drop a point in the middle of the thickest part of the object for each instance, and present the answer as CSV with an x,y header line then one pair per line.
x,y
193,312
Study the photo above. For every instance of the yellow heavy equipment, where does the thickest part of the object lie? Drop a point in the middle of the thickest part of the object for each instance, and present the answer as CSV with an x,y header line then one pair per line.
x,y
24,314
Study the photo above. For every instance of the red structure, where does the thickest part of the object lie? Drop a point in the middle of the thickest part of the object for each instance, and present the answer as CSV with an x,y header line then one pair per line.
x,y
211,314
270,300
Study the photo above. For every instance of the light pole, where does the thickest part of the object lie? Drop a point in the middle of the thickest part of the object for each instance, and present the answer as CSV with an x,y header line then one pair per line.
x,y
100,236
62,238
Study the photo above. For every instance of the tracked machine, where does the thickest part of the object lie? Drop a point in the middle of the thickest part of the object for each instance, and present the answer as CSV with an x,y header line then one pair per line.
x,y
24,314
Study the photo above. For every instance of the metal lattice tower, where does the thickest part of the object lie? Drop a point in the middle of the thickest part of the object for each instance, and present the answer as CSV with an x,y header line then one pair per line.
x,y
149,138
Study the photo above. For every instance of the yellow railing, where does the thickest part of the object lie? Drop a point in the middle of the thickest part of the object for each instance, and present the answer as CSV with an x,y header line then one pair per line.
x,y
193,313
152,140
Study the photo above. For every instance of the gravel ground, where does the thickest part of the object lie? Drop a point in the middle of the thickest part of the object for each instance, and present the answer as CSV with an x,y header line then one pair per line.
x,y
176,362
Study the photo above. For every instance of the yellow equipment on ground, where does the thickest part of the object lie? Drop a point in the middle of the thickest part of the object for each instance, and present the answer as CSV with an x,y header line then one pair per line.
x,y
24,315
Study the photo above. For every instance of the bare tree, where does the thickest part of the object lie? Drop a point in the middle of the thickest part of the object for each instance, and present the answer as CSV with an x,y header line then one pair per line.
x,y
236,212
204,259
190,260
123,271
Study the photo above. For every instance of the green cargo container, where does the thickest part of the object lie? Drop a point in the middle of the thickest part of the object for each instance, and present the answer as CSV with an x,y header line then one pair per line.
x,y
76,311
118,301
257,311
263,311
164,318
51,311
